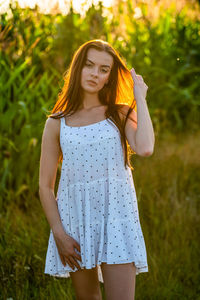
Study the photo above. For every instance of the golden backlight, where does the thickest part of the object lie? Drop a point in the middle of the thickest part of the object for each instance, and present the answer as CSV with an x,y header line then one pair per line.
x,y
51,6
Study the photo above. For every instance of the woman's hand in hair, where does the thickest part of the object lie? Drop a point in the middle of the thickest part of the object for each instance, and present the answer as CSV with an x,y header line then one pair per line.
x,y
140,87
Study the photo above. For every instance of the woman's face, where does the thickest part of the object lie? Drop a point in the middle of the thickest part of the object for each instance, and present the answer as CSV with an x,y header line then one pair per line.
x,y
97,68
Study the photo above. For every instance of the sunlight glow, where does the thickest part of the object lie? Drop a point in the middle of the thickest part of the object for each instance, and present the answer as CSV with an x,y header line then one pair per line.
x,y
48,6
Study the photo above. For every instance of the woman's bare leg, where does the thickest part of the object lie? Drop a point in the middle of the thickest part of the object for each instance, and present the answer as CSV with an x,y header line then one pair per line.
x,y
119,281
86,284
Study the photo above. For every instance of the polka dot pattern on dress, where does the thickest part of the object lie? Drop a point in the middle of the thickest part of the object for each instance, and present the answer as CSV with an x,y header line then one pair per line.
x,y
96,201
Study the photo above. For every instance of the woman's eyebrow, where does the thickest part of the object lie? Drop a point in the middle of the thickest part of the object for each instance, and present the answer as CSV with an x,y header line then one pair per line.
x,y
101,65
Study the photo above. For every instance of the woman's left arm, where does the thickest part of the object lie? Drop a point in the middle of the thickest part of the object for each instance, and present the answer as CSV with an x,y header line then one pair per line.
x,y
144,135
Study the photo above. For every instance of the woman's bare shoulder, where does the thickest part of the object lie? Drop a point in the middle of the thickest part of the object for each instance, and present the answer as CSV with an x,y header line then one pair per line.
x,y
52,122
52,126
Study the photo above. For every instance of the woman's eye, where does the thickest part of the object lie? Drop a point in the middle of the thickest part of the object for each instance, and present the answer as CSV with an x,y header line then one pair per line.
x,y
89,65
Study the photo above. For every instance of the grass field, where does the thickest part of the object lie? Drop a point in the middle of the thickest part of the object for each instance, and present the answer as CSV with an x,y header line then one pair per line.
x,y
163,46
167,187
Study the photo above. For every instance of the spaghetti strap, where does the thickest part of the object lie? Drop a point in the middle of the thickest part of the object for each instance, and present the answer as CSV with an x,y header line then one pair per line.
x,y
62,120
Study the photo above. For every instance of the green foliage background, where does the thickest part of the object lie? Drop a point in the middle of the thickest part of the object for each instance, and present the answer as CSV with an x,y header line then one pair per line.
x,y
36,49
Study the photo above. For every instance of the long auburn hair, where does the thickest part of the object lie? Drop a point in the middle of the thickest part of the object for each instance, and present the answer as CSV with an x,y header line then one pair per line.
x,y
116,93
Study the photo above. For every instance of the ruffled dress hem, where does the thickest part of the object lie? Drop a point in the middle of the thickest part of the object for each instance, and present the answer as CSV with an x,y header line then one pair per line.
x,y
140,268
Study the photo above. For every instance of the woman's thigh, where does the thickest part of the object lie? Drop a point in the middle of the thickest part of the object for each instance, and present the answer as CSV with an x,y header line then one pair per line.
x,y
86,284
119,281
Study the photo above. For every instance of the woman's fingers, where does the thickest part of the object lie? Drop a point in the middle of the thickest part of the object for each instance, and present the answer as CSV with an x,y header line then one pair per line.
x,y
136,76
133,72
63,260
69,255
74,262
77,246
69,263
77,256
139,77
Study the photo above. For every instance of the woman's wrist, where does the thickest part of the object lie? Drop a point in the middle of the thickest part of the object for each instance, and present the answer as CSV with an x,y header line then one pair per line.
x,y
58,230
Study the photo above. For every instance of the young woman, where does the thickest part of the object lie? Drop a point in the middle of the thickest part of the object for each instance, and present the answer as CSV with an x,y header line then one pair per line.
x,y
95,230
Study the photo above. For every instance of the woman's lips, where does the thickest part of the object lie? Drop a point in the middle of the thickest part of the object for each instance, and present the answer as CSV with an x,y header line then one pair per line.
x,y
91,82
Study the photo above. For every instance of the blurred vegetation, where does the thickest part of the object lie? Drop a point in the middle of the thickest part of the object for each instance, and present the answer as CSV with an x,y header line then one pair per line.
x,y
36,49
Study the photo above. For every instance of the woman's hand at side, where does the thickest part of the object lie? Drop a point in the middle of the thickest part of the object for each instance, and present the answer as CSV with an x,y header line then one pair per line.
x,y
65,245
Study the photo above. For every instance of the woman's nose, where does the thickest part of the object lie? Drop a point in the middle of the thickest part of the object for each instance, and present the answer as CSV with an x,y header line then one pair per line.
x,y
94,72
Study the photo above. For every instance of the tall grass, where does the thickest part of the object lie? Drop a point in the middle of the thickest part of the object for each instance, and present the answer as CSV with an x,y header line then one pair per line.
x,y
36,49
167,187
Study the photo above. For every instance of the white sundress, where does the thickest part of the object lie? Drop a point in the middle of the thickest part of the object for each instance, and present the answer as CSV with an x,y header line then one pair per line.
x,y
96,200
